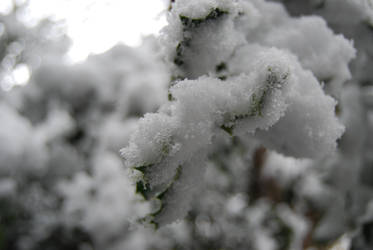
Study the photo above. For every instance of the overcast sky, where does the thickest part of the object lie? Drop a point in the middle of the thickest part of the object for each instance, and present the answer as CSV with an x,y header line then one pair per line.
x,y
96,25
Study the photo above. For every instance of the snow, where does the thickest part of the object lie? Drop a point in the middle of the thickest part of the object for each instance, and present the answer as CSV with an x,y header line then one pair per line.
x,y
237,118
269,92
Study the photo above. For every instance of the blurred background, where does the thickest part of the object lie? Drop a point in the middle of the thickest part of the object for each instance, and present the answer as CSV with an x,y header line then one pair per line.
x,y
76,27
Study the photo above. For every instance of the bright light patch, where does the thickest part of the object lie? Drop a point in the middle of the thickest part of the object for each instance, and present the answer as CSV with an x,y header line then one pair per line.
x,y
21,74
6,6
93,25
96,26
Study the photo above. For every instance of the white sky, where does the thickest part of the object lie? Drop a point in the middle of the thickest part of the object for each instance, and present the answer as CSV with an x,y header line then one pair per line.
x,y
96,25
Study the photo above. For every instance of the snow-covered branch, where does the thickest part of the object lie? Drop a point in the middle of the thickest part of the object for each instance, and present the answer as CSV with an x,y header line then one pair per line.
x,y
228,76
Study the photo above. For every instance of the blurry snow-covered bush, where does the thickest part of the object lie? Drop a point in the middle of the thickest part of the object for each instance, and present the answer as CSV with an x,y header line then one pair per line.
x,y
60,137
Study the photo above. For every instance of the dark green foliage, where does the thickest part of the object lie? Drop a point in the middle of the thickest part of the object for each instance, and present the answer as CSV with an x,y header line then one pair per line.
x,y
170,97
142,186
161,196
143,189
283,235
150,193
143,169
14,222
176,177
227,129
185,43
196,22
367,232
221,67
174,79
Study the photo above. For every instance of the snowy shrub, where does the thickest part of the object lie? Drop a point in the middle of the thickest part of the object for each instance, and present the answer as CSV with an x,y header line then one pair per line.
x,y
243,71
61,134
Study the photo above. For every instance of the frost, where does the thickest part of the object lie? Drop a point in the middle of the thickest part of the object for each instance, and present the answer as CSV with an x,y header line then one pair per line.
x,y
251,79
201,106
314,128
